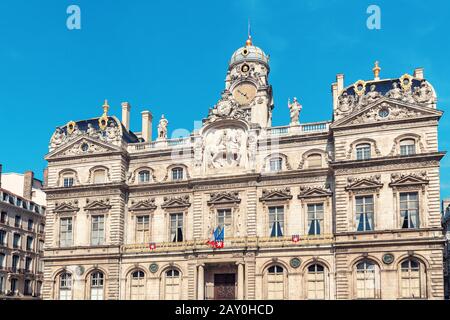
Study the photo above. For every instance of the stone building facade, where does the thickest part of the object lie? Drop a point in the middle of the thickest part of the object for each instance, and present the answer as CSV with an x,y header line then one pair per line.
x,y
341,209
22,222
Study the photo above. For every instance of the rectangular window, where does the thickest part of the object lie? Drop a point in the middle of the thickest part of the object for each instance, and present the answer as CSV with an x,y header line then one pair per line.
x,y
409,210
2,238
276,221
142,229
27,287
177,174
363,152
315,218
68,182
28,262
3,217
65,232
41,246
176,227
2,260
13,285
98,230
224,220
16,240
17,221
29,243
2,284
275,164
364,213
30,224
15,263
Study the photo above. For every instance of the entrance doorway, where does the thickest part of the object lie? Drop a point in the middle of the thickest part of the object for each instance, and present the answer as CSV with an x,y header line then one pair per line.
x,y
224,286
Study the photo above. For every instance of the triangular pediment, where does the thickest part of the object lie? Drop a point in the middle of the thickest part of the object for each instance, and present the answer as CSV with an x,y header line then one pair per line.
x,y
97,205
65,207
81,146
314,193
364,184
176,202
276,195
224,198
386,110
143,205
408,180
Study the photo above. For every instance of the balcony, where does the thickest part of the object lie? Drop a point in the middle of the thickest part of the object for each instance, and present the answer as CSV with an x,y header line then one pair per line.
x,y
315,127
231,243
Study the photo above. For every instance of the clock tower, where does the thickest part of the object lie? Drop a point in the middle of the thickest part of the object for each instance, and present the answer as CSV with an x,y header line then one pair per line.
x,y
247,81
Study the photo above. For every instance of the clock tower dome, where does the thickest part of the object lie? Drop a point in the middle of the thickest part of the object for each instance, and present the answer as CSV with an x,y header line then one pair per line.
x,y
247,80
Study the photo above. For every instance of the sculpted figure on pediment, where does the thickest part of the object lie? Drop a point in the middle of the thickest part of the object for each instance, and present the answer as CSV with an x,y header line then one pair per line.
x,y
395,92
423,94
58,138
345,102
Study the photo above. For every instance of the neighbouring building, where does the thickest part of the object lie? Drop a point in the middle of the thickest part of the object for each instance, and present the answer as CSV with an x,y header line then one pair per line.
x,y
340,209
22,222
446,226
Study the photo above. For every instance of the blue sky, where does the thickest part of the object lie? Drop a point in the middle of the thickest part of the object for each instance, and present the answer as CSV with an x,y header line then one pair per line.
x,y
171,58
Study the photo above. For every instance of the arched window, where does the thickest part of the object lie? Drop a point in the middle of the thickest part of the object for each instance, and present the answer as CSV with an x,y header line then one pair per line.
x,y
99,176
407,147
316,282
314,161
363,151
410,279
68,179
65,286
144,176
172,285
97,285
137,285
177,174
275,282
275,164
365,280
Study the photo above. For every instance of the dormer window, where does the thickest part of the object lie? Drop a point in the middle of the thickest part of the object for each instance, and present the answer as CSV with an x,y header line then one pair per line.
x,y
177,174
68,180
99,176
275,164
407,147
144,176
363,151
314,161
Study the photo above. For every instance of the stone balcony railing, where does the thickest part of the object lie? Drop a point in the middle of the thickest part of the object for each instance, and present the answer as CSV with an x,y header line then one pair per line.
x,y
231,243
301,129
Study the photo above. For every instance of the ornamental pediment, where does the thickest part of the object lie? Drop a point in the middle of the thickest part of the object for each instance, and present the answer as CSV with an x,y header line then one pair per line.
x,y
386,109
224,198
276,195
366,183
143,205
407,180
97,205
176,202
314,192
66,207
81,146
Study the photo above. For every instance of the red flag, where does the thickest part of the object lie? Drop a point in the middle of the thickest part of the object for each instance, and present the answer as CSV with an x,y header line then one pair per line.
x,y
295,238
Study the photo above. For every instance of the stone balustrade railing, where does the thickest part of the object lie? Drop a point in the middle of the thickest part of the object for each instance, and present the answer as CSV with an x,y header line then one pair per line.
x,y
230,243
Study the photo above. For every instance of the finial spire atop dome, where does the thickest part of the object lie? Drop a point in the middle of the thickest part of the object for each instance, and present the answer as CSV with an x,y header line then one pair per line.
x,y
249,34
105,107
376,71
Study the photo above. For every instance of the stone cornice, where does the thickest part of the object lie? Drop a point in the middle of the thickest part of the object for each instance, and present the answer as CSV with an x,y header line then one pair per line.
x,y
106,188
386,160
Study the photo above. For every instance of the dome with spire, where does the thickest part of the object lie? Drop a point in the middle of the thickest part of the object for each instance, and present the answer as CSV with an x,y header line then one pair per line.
x,y
249,52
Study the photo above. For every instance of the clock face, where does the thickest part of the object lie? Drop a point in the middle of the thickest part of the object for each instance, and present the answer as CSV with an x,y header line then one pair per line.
x,y
244,93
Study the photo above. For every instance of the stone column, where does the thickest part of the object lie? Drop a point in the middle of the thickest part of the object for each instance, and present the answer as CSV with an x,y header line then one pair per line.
x,y
240,286
201,282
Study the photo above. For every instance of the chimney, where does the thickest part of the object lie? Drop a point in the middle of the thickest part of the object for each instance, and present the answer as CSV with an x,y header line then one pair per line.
x,y
335,95
340,83
126,115
147,125
418,73
45,182
28,184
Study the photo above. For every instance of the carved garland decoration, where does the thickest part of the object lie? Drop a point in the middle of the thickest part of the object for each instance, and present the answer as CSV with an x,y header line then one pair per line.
x,y
364,185
176,202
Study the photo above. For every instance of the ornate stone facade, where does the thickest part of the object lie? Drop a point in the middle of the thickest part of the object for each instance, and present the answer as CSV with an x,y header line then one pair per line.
x,y
344,209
